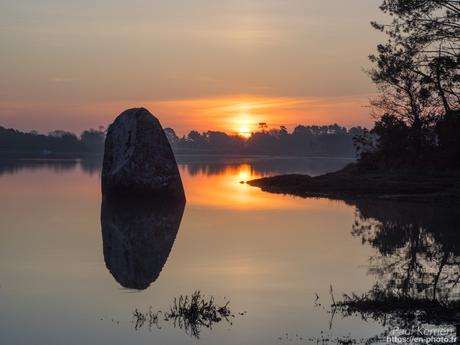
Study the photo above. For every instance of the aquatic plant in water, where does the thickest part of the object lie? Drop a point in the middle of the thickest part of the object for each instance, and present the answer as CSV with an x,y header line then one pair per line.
x,y
190,313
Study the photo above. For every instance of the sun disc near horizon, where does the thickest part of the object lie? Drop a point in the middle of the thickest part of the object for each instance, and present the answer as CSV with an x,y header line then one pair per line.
x,y
244,132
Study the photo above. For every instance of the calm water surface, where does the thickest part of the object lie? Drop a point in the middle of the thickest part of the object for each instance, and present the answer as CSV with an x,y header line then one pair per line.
x,y
61,283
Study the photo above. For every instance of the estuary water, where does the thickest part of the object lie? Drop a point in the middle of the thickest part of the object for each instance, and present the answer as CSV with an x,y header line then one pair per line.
x,y
65,279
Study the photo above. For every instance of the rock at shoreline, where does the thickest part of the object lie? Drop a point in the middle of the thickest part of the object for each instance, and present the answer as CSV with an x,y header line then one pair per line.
x,y
138,160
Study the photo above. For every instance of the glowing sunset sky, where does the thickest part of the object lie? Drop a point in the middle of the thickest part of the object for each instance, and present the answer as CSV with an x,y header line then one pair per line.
x,y
202,64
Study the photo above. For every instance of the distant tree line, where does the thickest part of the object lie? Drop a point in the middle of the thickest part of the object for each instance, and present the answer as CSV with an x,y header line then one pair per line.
x,y
13,141
304,140
331,140
416,71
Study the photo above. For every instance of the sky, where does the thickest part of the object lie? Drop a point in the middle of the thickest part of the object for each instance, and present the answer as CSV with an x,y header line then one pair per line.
x,y
202,64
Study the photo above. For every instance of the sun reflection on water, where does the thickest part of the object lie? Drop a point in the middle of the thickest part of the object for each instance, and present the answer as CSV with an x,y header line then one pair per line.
x,y
226,188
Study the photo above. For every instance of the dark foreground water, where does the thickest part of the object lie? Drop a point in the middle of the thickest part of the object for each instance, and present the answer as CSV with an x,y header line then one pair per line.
x,y
66,280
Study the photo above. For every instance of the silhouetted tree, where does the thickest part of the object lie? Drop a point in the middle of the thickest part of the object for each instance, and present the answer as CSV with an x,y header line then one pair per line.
x,y
417,75
263,126
430,29
93,140
403,93
223,141
305,140
197,140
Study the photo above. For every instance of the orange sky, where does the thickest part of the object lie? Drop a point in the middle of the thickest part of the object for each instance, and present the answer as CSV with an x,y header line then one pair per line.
x,y
229,114
206,64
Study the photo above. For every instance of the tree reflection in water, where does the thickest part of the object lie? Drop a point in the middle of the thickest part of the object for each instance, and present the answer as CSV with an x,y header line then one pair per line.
x,y
417,265
418,247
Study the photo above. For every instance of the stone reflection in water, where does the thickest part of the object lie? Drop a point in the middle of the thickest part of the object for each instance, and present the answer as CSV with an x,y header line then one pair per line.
x,y
138,237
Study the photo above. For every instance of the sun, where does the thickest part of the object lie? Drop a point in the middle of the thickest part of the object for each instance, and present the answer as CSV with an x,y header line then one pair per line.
x,y
243,125
244,132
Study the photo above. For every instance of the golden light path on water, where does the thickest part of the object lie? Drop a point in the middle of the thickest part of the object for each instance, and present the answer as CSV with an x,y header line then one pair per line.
x,y
228,190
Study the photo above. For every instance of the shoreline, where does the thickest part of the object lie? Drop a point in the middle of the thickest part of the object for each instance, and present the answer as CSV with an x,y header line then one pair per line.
x,y
352,183
76,155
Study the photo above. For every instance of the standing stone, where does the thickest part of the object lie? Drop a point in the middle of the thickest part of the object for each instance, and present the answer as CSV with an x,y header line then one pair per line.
x,y
138,160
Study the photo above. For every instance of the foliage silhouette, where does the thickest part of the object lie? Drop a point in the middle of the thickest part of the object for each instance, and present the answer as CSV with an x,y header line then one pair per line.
x,y
190,313
332,140
417,75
